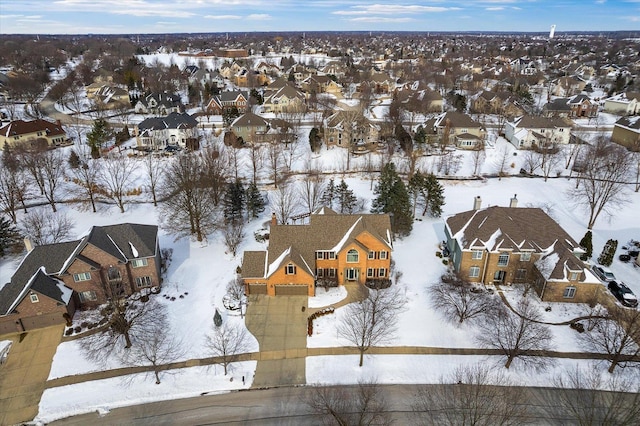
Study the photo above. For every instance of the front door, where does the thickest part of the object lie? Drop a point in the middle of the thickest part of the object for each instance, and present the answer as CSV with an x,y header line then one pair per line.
x,y
351,274
498,277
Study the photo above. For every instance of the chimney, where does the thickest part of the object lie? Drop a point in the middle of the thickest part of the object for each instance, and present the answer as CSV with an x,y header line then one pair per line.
x,y
274,221
477,203
28,244
514,201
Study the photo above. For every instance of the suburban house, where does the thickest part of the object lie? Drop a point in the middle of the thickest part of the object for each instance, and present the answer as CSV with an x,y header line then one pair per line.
x,y
626,132
350,130
462,130
287,99
424,99
32,134
502,102
56,279
527,131
157,133
580,106
159,104
228,100
110,96
317,83
513,245
332,249
203,77
568,86
251,127
623,104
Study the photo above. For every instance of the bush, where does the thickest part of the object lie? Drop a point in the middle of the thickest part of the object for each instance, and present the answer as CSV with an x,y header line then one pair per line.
x,y
317,314
68,332
77,329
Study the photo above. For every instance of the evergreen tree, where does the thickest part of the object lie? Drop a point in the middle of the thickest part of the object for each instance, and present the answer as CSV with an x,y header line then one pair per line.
x,y
435,200
329,194
9,236
74,159
587,244
608,252
98,136
392,197
345,199
255,202
234,202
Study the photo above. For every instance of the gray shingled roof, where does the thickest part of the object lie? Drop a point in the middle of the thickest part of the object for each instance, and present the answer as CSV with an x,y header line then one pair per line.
x,y
175,120
115,239
497,228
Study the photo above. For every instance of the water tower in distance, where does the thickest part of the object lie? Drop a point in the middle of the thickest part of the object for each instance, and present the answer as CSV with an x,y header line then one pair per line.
x,y
552,32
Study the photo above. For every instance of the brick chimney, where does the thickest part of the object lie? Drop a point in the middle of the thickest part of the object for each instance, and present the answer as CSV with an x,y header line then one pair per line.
x,y
274,221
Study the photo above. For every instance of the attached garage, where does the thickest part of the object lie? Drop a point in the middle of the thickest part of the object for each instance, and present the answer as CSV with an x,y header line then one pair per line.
x,y
292,290
257,289
41,321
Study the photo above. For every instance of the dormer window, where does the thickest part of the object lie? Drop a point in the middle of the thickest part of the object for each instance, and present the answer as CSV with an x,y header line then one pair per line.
x,y
290,269
525,256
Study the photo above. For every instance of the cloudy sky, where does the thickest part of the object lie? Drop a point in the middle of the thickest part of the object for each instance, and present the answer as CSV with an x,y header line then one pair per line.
x,y
171,16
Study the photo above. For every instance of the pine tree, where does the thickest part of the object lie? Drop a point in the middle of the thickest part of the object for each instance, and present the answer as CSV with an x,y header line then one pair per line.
x,y
392,197
608,252
435,200
99,135
345,198
587,244
234,202
9,236
329,194
74,159
255,202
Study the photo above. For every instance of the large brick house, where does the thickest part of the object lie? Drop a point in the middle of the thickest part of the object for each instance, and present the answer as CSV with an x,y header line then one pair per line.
x,y
54,279
32,134
510,245
332,249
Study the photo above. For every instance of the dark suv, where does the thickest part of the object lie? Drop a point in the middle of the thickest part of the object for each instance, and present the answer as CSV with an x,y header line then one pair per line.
x,y
623,294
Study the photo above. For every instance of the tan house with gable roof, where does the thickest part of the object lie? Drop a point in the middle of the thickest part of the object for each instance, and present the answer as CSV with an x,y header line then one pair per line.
x,y
511,245
32,134
332,249
463,131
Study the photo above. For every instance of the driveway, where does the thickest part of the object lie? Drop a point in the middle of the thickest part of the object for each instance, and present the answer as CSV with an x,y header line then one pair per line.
x,y
23,376
280,325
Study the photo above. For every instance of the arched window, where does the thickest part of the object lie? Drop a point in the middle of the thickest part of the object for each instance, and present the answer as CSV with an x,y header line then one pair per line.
x,y
352,255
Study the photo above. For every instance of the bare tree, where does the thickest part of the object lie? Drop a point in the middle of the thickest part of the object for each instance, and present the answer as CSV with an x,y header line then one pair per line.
x,y
46,169
311,189
13,186
233,233
591,399
517,336
257,157
284,202
471,395
372,320
459,300
189,208
214,171
227,342
155,172
602,182
531,161
45,227
88,178
616,336
502,161
116,176
363,404
155,346
275,160
549,159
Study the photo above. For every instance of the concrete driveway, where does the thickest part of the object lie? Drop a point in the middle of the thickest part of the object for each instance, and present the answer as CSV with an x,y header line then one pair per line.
x,y
23,376
280,325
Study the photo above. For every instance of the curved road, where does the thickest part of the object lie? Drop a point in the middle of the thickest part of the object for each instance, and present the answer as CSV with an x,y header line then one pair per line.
x,y
286,406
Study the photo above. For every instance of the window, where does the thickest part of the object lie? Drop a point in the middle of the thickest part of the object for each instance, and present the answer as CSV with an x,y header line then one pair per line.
x,y
476,254
525,256
474,272
319,255
383,254
332,272
369,272
34,298
137,263
382,272
87,296
290,269
372,255
84,276
569,292
143,281
503,259
573,276
319,272
332,255
352,255
521,274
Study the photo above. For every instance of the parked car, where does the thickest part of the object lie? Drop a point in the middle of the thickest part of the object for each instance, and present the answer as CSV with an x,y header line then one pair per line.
x,y
623,294
603,273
